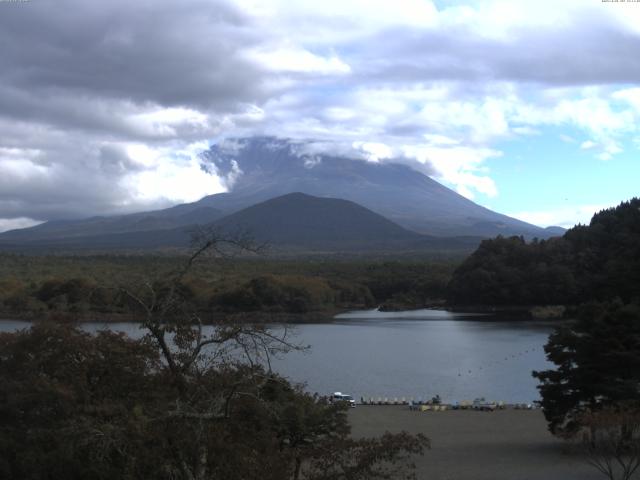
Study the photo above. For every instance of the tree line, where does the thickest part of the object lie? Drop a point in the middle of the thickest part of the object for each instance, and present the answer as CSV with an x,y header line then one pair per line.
x,y
599,261
86,285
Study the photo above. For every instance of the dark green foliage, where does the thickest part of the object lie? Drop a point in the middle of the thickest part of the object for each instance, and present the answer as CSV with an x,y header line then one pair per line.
x,y
267,293
78,406
85,286
596,262
67,401
598,364
508,271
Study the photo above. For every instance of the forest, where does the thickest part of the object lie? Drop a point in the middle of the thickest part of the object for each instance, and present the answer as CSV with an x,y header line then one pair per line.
x,y
257,287
599,261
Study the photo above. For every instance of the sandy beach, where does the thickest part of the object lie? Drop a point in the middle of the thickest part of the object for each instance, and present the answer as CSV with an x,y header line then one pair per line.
x,y
470,445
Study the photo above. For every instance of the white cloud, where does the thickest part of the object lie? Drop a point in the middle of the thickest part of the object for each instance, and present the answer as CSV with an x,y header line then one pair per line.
x,y
562,216
440,140
630,96
609,149
528,131
337,20
175,176
606,149
298,60
21,169
7,224
374,152
171,122
458,166
596,111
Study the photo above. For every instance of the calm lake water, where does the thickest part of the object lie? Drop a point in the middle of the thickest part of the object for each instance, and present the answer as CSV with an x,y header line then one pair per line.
x,y
408,354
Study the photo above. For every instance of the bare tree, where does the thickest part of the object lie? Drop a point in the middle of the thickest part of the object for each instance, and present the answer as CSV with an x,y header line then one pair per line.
x,y
220,391
193,352
611,440
177,328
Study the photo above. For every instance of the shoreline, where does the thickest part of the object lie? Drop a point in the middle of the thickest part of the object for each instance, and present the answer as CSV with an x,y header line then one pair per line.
x,y
508,313
215,318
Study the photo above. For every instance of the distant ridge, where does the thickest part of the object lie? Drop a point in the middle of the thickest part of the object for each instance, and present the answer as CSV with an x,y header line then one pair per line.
x,y
294,223
59,230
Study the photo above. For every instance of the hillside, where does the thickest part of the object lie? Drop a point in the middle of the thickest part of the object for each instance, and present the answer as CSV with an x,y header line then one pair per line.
x,y
599,261
74,231
298,220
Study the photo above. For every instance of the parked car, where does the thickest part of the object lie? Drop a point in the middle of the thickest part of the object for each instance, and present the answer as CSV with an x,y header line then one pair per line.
x,y
338,397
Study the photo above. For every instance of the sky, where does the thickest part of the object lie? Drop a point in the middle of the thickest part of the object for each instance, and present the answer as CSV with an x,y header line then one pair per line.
x,y
529,108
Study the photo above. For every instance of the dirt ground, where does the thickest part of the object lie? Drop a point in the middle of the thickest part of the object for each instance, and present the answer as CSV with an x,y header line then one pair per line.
x,y
471,445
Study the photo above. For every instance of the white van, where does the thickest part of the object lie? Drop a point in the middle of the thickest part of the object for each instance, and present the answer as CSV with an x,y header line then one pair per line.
x,y
342,397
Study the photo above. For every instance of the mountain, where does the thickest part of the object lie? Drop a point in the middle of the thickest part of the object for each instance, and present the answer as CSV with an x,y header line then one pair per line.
x,y
294,222
555,231
264,168
272,167
302,221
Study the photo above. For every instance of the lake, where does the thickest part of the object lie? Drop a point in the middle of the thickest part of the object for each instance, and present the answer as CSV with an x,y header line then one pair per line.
x,y
415,354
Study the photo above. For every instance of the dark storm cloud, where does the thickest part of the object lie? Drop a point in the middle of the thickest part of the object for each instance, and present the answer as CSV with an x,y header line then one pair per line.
x,y
169,53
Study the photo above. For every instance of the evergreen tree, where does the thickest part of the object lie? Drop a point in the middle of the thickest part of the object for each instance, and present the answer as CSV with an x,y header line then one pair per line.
x,y
600,261
597,365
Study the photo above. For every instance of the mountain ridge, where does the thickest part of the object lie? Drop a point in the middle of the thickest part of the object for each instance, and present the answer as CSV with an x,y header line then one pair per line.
x,y
295,222
267,167
272,167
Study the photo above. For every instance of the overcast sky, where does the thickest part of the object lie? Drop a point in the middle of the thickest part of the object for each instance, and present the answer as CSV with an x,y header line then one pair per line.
x,y
530,108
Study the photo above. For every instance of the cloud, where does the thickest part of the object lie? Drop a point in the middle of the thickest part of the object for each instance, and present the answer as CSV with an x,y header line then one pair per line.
x,y
606,150
15,223
565,216
158,52
105,107
567,138
296,60
99,101
169,173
